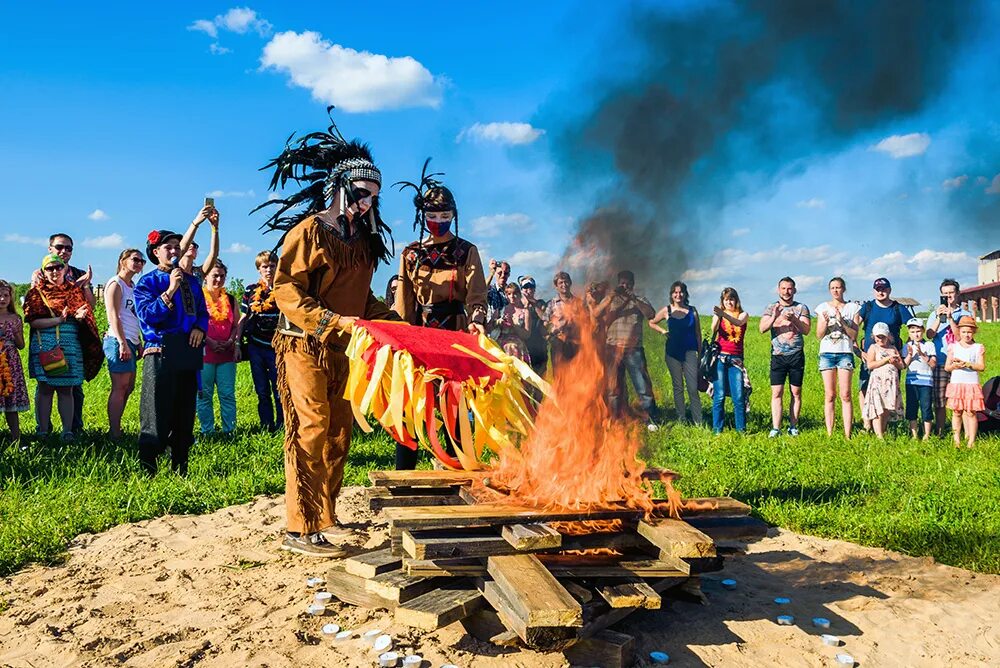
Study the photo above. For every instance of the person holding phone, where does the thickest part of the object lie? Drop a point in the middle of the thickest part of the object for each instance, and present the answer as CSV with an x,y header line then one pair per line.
x,y
942,329
173,318
189,247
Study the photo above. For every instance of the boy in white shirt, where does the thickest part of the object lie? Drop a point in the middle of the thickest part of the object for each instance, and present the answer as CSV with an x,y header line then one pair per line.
x,y
920,360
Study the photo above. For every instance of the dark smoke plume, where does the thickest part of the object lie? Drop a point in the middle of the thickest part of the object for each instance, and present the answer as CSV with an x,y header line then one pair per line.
x,y
727,97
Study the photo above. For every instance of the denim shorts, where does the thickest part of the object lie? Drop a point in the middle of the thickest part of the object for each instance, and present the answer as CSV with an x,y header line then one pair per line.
x,y
115,364
828,361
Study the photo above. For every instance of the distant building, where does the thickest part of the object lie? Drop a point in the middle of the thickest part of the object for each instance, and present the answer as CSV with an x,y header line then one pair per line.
x,y
984,299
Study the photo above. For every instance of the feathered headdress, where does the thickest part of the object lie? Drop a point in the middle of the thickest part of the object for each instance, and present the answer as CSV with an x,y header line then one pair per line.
x,y
327,163
430,195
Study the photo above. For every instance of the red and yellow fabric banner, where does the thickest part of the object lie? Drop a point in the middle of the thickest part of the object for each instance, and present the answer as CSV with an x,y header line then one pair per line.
x,y
412,379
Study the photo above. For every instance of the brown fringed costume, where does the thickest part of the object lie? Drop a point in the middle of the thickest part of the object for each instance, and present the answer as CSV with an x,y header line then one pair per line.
x,y
321,276
324,274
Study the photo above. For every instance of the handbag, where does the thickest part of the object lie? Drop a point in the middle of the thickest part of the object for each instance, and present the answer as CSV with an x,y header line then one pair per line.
x,y
53,361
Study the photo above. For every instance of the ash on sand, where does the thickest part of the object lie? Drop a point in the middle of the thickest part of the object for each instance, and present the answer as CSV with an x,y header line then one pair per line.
x,y
214,590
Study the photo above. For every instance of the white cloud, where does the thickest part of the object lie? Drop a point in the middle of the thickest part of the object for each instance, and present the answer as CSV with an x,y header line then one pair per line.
x,y
239,20
896,265
981,180
956,182
113,240
523,262
740,232
237,247
806,282
811,203
904,146
994,188
354,81
205,26
703,274
230,193
217,50
24,239
98,215
500,224
504,133
737,257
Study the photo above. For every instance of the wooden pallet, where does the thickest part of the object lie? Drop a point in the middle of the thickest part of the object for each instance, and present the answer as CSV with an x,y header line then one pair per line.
x,y
461,552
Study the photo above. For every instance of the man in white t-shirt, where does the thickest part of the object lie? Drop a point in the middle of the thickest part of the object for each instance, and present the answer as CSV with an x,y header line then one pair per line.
x,y
920,360
942,329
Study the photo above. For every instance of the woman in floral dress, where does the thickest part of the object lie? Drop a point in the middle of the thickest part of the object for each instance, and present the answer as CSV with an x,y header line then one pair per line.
x,y
13,387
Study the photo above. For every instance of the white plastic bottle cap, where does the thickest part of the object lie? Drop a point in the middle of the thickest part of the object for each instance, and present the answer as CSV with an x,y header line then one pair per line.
x,y
388,659
786,620
845,659
315,582
323,596
343,635
412,661
369,636
659,657
781,600
383,643
330,629
729,584
831,640
316,609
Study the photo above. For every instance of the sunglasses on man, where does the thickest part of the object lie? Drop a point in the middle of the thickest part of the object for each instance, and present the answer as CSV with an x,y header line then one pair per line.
x,y
63,247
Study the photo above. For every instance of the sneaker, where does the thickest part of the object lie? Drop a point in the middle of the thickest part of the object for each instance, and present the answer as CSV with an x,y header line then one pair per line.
x,y
338,532
793,431
773,433
652,426
312,545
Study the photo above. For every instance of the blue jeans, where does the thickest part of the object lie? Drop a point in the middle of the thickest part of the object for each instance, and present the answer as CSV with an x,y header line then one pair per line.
x,y
223,378
264,371
728,380
631,360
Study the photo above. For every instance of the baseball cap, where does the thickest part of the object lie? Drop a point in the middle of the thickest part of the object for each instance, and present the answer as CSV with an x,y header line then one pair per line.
x,y
915,322
882,284
880,329
526,281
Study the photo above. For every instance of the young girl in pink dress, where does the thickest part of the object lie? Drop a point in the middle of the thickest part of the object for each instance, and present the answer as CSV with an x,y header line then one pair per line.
x,y
966,359
13,388
883,400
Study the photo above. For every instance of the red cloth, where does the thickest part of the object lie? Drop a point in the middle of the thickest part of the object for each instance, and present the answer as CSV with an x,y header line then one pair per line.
x,y
432,349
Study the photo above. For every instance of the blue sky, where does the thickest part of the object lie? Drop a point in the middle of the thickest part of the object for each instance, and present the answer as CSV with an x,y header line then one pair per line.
x,y
119,118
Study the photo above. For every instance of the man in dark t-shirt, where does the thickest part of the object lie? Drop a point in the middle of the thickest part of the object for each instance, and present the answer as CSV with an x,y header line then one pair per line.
x,y
883,308
258,321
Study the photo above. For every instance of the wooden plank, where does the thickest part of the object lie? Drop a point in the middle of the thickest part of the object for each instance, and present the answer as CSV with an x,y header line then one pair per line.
x,y
370,564
579,592
399,587
608,649
731,529
527,537
542,638
449,544
421,478
630,594
719,506
354,590
440,607
385,497
492,514
485,625
598,623
535,594
676,538
562,566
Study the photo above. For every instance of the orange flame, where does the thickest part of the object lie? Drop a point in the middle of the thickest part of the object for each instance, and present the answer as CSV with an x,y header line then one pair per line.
x,y
578,457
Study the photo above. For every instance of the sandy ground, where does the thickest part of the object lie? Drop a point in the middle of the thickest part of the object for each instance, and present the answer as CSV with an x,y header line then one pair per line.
x,y
214,590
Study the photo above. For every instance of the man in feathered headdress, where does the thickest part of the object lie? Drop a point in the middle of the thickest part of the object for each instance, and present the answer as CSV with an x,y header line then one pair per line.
x,y
333,240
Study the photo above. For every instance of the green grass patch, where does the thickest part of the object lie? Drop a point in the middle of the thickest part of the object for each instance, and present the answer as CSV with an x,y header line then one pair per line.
x,y
922,498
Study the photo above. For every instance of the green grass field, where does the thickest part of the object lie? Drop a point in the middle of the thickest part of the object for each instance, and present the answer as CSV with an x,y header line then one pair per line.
x,y
919,498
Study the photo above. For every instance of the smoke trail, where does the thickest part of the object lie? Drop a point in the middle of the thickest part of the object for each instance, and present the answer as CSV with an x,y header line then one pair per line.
x,y
726,98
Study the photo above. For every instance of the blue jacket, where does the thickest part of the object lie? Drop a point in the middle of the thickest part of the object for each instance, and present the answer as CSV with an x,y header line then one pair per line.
x,y
157,319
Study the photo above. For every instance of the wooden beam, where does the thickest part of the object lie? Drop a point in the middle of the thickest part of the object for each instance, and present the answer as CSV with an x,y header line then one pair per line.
x,y
542,638
354,589
535,594
433,568
421,478
602,621
607,649
529,537
731,529
719,506
676,538
630,594
485,625
445,544
563,566
440,607
579,592
399,587
493,514
386,497
370,564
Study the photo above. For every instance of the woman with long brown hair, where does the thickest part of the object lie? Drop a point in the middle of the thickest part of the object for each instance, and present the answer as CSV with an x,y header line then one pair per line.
x,y
729,328
13,388
123,340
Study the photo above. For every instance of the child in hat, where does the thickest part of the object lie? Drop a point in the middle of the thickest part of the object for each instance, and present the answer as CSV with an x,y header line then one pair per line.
x,y
966,359
920,361
883,400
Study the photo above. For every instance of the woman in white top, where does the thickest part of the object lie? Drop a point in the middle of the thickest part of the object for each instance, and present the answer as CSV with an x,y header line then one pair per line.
x,y
122,340
837,332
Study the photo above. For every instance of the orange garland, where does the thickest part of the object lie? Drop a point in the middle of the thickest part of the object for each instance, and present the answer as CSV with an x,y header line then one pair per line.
x,y
6,380
215,311
260,305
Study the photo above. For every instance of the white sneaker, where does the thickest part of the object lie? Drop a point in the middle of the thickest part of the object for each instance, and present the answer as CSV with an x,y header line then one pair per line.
x,y
652,426
773,433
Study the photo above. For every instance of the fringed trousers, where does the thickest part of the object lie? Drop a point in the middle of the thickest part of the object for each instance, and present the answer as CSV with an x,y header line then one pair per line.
x,y
318,423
